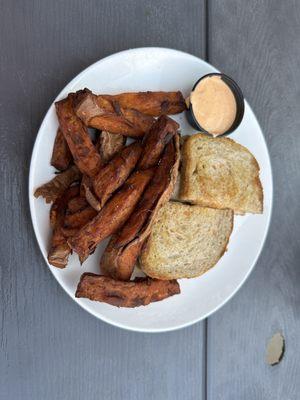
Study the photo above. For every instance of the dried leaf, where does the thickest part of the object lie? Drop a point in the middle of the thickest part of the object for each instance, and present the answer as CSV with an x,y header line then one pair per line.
x,y
275,349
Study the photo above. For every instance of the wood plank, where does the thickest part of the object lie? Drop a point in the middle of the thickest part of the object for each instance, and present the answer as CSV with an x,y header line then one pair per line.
x,y
258,44
51,348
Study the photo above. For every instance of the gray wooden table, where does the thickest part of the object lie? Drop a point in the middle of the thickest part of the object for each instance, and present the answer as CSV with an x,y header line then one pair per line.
x,y
51,348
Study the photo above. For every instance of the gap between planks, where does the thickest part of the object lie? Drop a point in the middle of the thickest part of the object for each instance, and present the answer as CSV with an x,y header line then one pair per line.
x,y
205,339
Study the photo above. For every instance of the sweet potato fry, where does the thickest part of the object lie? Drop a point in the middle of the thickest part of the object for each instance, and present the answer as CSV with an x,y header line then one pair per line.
x,y
112,216
59,249
109,144
115,172
68,232
140,123
86,182
58,208
84,152
55,188
119,262
61,155
154,142
120,256
74,222
151,103
79,218
160,181
78,213
98,112
90,196
60,205
140,292
77,204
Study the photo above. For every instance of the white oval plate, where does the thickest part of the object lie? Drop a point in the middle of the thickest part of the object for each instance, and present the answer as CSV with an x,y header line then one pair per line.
x,y
157,69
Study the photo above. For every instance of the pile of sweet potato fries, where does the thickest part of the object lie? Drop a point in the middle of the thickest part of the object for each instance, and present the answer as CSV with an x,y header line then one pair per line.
x,y
107,188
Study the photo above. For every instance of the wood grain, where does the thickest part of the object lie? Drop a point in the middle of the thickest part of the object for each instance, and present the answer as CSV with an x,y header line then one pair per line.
x,y
50,348
257,42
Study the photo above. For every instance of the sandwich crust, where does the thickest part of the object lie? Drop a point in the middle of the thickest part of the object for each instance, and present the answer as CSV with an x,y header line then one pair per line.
x,y
186,241
220,173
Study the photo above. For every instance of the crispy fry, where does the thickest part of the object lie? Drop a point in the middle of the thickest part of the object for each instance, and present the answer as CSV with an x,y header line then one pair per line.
x,y
77,204
140,292
76,221
58,208
84,152
115,173
68,232
154,142
98,112
86,190
78,96
90,196
55,188
151,103
59,249
120,256
78,213
60,205
61,155
119,262
109,144
160,182
86,183
112,216
140,124
79,218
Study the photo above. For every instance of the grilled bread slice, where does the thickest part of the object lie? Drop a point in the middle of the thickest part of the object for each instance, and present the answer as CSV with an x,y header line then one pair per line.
x,y
220,173
186,241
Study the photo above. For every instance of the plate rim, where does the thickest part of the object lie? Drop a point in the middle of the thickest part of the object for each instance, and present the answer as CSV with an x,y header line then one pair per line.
x,y
31,198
